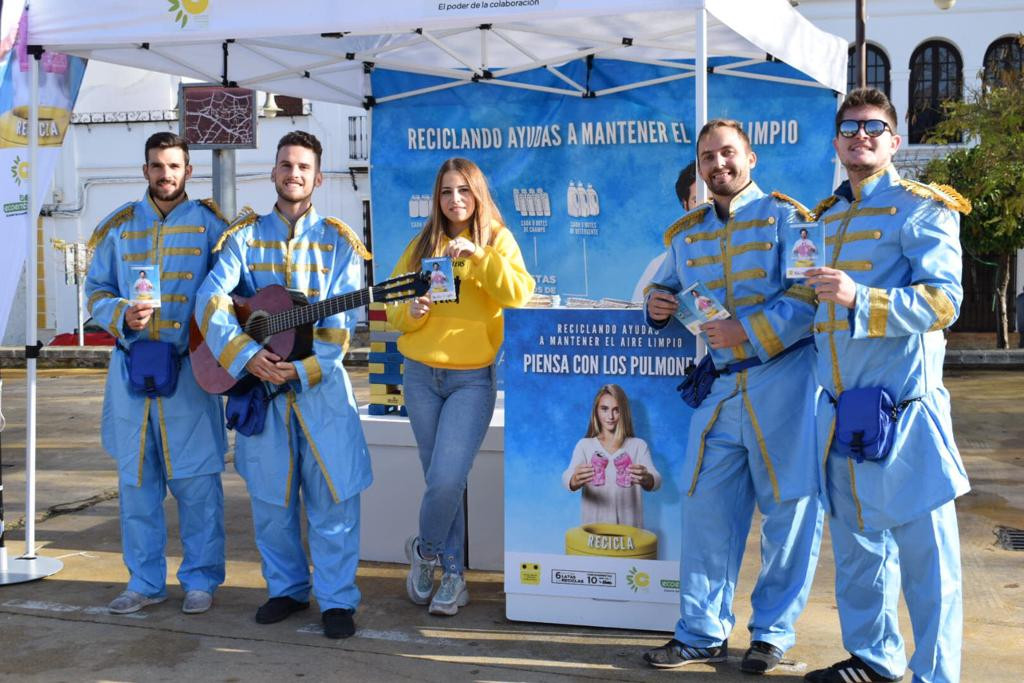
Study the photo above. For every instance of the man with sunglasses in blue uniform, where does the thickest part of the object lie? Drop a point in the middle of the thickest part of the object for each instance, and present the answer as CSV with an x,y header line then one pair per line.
x,y
752,437
892,285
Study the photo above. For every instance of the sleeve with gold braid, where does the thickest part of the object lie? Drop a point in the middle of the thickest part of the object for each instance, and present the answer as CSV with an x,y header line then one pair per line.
x,y
685,223
246,217
350,237
118,218
800,208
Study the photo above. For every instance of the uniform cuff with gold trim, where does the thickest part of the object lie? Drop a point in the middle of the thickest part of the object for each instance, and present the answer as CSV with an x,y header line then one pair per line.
x,y
762,336
308,370
869,316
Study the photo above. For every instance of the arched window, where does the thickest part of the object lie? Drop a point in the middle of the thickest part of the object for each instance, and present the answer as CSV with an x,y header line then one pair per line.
x,y
1005,54
877,71
936,75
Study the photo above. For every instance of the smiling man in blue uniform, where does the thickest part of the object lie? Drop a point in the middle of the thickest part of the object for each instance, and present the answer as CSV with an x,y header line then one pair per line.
x,y
751,439
168,433
891,287
312,439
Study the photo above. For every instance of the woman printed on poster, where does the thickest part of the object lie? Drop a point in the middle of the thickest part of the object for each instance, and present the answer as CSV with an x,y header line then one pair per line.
x,y
611,464
449,382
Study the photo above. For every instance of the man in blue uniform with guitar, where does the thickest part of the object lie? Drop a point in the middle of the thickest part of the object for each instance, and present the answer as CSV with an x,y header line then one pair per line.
x,y
302,428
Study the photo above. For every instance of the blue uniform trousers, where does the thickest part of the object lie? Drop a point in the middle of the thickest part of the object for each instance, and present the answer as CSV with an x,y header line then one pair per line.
x,y
925,553
144,531
715,525
333,537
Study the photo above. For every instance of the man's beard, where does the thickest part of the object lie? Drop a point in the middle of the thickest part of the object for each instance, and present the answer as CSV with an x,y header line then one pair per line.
x,y
286,198
157,192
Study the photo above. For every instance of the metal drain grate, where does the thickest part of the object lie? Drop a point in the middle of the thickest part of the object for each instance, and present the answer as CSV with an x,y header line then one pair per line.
x,y
1010,539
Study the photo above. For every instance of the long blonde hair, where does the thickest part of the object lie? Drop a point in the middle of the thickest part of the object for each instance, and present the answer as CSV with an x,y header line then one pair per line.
x,y
485,215
624,429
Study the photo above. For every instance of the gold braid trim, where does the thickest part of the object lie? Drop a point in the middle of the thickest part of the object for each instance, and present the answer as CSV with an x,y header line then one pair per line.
x,y
210,204
122,216
349,235
940,193
245,218
800,208
686,222
823,206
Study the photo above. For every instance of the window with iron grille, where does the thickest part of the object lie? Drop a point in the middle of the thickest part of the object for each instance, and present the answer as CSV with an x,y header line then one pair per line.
x,y
1003,55
936,76
358,138
877,75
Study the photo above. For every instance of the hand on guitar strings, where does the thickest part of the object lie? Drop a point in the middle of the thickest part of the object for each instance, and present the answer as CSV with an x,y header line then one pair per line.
x,y
138,316
419,307
268,366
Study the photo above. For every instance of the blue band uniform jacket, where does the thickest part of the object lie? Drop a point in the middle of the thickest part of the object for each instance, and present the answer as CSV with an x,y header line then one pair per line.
x,y
899,241
741,263
322,258
191,421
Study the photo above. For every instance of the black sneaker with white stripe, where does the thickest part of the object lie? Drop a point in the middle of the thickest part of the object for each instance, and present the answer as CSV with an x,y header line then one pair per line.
x,y
852,670
674,654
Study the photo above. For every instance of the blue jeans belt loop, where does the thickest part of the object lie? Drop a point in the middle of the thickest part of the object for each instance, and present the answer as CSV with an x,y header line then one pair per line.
x,y
753,362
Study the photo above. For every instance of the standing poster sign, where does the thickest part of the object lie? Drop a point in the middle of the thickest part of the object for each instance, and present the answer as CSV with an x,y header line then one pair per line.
x,y
604,552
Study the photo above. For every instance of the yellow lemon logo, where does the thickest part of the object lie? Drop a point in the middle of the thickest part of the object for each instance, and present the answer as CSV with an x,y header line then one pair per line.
x,y
19,170
183,9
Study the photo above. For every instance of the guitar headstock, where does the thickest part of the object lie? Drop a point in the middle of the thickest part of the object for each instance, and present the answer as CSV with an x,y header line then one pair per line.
x,y
402,287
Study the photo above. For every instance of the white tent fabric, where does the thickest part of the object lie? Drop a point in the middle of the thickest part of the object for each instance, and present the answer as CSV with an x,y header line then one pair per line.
x,y
317,51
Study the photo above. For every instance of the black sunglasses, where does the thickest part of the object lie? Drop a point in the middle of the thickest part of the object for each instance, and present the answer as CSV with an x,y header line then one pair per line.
x,y
849,128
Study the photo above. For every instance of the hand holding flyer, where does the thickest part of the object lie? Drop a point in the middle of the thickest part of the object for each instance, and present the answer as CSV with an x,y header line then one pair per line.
x,y
804,250
146,286
697,305
442,279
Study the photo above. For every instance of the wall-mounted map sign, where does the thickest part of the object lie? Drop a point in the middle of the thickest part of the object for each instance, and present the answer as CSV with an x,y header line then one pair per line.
x,y
217,117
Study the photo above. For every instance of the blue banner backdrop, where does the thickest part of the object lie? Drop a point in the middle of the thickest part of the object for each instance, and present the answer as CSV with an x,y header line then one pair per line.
x,y
586,184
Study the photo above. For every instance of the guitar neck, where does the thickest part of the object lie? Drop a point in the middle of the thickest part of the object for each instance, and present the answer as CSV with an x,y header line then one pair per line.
x,y
304,315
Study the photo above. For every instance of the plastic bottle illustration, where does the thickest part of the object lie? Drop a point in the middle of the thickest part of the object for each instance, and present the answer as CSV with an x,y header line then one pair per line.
x,y
593,204
582,200
545,203
414,206
517,200
424,205
572,199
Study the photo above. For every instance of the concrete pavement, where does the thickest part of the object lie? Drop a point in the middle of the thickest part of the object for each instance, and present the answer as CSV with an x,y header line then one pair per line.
x,y
58,629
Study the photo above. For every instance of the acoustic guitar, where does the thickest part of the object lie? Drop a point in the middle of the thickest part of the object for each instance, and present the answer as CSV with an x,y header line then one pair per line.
x,y
282,321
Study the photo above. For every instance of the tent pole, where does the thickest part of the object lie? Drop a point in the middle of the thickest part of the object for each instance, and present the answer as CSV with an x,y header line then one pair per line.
x,y
31,329
224,181
701,113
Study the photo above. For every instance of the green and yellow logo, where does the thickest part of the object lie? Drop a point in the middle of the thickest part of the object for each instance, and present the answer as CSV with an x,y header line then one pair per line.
x,y
529,573
637,579
184,10
19,170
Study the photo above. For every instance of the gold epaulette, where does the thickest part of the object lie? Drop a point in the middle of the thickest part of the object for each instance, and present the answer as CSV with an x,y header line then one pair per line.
x,y
940,193
800,208
210,204
350,235
823,206
686,222
246,217
123,215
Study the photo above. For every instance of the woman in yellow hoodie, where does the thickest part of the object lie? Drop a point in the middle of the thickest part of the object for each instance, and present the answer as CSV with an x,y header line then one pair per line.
x,y
449,351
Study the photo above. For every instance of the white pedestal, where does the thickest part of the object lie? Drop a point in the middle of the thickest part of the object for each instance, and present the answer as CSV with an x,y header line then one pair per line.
x,y
390,508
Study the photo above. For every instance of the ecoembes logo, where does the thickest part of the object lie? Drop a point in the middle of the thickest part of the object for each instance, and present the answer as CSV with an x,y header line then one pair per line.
x,y
184,10
637,580
19,170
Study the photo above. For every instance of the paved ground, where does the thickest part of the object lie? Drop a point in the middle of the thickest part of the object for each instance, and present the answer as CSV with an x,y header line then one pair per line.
x,y
57,630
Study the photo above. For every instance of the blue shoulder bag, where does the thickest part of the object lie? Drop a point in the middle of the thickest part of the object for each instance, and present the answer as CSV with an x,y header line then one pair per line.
x,y
697,384
866,423
153,367
246,412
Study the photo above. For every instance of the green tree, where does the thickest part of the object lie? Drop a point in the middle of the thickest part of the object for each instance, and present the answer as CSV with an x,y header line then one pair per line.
x,y
990,172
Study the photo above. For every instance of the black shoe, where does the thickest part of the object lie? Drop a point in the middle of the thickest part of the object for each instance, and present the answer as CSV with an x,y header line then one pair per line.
x,y
761,657
673,654
278,609
852,669
338,623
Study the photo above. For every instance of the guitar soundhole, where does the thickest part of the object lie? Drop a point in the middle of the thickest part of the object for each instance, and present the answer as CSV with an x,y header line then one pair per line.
x,y
256,326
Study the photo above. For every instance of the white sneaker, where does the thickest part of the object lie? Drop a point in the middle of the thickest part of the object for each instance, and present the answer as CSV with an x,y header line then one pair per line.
x,y
130,601
196,602
452,595
419,583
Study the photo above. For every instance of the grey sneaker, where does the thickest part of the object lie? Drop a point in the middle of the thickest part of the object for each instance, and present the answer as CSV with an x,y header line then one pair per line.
x,y
452,595
419,584
129,601
196,602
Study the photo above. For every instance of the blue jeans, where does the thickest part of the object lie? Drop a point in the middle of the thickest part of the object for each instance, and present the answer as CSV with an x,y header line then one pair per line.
x,y
449,411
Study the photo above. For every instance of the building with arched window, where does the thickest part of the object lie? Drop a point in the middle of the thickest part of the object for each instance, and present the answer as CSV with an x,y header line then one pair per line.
x,y
926,55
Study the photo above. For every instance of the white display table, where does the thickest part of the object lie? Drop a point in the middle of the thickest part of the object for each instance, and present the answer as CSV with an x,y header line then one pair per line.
x,y
390,507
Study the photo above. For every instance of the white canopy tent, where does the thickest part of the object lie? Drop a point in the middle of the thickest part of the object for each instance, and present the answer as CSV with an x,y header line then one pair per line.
x,y
324,50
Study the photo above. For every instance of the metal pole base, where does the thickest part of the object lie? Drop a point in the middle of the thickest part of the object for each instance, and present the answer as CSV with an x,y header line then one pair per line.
x,y
21,570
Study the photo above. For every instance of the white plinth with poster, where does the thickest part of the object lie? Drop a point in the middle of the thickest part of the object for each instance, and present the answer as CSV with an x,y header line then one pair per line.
x,y
390,508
